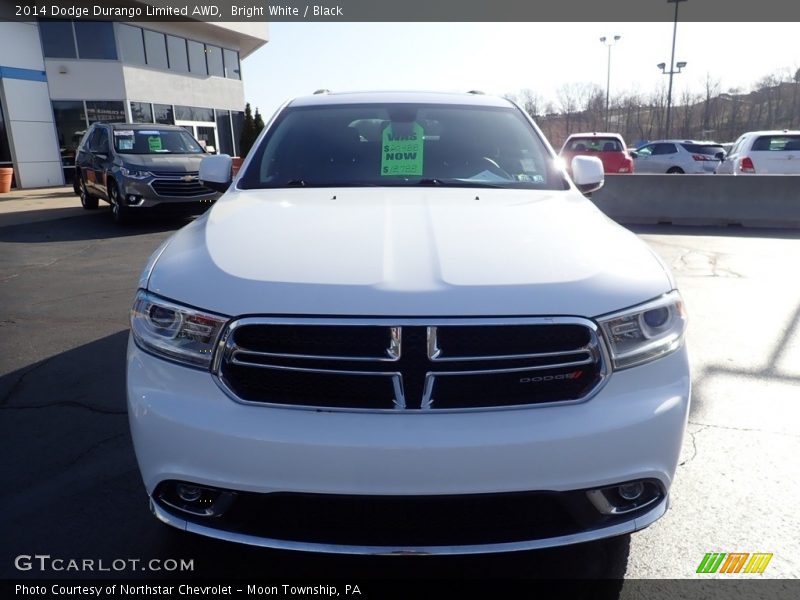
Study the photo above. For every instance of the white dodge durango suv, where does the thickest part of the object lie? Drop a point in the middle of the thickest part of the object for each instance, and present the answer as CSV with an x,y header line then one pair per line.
x,y
404,329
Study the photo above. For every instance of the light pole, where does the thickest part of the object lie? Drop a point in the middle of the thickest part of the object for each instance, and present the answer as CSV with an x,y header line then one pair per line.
x,y
609,43
671,72
672,65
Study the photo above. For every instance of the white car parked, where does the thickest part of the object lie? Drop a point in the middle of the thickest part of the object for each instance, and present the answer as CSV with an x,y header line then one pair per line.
x,y
678,156
404,329
764,153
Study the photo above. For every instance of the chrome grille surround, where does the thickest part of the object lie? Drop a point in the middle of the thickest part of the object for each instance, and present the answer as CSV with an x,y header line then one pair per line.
x,y
176,184
595,352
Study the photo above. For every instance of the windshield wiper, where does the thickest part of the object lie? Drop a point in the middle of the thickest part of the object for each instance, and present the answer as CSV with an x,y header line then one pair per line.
x,y
455,182
296,183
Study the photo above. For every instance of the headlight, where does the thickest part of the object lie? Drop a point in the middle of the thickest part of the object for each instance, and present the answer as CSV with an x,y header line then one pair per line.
x,y
174,331
133,174
645,332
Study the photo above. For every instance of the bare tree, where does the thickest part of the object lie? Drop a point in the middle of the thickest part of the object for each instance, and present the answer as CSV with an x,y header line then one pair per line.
x,y
531,102
568,102
711,92
687,100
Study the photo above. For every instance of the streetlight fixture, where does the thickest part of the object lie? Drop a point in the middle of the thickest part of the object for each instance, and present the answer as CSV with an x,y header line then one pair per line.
x,y
672,70
609,43
679,66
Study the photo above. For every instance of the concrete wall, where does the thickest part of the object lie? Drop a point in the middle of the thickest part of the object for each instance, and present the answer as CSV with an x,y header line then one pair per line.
x,y
26,103
751,201
143,84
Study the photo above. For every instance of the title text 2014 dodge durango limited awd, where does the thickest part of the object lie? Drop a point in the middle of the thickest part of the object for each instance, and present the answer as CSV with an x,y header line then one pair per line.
x,y
403,329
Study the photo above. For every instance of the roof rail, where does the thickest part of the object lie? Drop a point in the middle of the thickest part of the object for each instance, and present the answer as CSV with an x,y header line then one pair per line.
x,y
322,91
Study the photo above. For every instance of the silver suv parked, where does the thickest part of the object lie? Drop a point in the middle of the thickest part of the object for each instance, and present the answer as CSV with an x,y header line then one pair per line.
x,y
141,168
678,156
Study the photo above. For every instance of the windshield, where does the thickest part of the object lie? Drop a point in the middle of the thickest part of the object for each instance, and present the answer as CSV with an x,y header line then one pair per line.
x,y
402,145
593,144
155,141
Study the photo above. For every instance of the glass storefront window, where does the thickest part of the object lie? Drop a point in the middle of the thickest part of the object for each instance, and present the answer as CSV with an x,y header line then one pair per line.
x,y
106,111
155,46
163,114
214,58
193,113
70,120
178,59
57,39
141,112
231,64
237,120
131,44
95,39
224,132
197,58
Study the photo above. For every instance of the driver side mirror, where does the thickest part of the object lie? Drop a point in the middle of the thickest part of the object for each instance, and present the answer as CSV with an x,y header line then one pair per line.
x,y
720,156
588,174
215,172
634,154
211,150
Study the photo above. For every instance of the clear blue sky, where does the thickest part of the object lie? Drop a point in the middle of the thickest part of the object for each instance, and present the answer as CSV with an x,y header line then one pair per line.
x,y
505,57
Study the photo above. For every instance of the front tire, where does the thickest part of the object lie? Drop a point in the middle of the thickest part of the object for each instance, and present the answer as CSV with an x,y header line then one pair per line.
x,y
119,211
675,171
88,202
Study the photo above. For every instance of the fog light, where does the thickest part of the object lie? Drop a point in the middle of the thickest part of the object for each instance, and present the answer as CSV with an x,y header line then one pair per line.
x,y
626,497
189,493
201,501
134,200
631,491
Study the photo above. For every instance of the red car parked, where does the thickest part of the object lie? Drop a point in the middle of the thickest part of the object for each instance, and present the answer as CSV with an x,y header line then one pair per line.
x,y
608,147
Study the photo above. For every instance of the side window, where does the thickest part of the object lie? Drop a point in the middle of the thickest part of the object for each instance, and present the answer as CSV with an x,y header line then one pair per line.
x,y
662,149
761,144
645,150
99,142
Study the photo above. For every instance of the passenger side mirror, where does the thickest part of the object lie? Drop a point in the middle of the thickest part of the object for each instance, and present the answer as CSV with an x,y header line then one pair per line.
x,y
587,173
215,172
720,156
211,150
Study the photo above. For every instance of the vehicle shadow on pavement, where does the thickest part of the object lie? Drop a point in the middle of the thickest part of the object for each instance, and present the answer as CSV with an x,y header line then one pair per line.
x,y
73,490
75,224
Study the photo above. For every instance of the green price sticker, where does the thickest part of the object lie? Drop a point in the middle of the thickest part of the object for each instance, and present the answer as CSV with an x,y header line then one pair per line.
x,y
154,142
401,154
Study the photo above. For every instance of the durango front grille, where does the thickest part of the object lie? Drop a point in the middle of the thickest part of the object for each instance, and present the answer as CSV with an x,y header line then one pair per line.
x,y
410,365
182,185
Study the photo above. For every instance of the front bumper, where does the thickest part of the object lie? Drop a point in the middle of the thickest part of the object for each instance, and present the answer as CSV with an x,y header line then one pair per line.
x,y
139,194
185,428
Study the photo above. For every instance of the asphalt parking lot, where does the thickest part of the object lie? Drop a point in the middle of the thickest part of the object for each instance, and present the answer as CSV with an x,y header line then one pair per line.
x,y
72,488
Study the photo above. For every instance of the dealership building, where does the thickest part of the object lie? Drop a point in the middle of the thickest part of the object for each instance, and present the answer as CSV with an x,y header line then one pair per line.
x,y
59,77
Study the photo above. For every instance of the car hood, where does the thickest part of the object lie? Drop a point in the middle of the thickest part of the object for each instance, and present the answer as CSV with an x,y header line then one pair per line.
x,y
407,252
178,163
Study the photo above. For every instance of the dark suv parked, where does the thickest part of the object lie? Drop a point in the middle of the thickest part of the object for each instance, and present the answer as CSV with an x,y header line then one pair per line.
x,y
141,168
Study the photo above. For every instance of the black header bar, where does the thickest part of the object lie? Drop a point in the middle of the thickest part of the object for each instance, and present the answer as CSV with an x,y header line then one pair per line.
x,y
403,10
